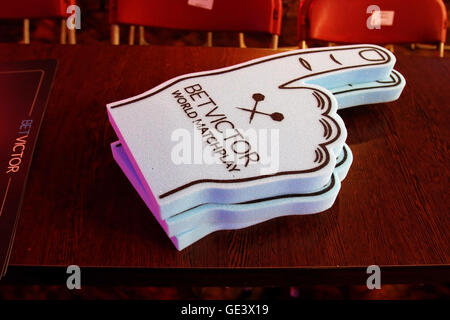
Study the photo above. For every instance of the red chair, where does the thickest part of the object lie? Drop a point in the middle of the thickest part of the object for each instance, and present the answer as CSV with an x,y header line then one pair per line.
x,y
351,21
226,15
42,9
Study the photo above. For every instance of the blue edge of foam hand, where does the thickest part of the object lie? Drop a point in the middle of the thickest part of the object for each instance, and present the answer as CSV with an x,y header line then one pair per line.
x,y
384,90
192,225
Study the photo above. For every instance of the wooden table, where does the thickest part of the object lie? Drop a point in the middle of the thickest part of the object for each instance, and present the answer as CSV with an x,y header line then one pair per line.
x,y
392,211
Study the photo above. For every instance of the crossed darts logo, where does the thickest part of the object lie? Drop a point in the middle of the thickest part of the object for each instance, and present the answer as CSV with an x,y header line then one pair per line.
x,y
258,97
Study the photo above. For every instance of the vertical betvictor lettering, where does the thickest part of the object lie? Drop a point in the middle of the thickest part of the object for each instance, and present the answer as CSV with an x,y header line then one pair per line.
x,y
19,147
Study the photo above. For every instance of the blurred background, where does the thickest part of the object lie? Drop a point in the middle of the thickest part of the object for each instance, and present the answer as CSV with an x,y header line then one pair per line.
x,y
313,22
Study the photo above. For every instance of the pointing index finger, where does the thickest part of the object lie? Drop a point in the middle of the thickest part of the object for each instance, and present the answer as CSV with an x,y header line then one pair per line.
x,y
339,65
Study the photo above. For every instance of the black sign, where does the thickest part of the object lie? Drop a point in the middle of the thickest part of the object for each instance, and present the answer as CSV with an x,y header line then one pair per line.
x,y
24,91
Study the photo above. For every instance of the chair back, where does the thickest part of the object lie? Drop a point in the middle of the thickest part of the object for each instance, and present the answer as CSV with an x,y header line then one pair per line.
x,y
351,21
226,15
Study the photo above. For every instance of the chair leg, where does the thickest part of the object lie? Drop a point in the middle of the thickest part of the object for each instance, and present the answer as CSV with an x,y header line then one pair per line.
x,y
131,35
62,32
72,36
241,40
275,41
330,44
26,31
304,45
413,46
115,34
209,39
441,49
142,41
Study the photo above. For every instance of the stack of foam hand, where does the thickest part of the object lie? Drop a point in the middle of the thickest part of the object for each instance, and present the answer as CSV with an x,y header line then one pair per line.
x,y
233,147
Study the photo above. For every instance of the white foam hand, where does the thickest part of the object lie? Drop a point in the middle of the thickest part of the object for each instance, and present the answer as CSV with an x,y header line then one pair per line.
x,y
284,93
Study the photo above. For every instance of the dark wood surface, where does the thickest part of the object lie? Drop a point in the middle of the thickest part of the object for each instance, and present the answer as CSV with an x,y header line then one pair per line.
x,y
392,210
